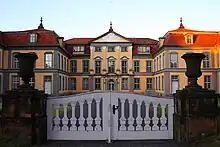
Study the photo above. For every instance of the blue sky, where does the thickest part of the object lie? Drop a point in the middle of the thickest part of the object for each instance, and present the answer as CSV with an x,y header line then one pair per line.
x,y
90,18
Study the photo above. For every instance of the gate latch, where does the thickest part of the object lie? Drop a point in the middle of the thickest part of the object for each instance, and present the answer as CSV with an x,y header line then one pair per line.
x,y
114,108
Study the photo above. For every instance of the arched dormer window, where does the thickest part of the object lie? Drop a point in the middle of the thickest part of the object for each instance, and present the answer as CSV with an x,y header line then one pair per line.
x,y
33,38
189,39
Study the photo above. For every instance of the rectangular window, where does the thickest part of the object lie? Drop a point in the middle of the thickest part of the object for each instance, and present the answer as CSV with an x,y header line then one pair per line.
x,y
157,64
136,83
1,83
98,49
1,60
156,83
144,50
207,82
159,83
64,64
85,84
33,38
154,65
124,66
48,60
15,62
206,61
162,83
61,64
32,82
63,83
111,66
136,66
160,65
173,60
78,49
124,49
86,66
148,66
73,66
98,67
66,83
124,84
163,61
58,61
15,82
97,83
149,84
72,83
111,49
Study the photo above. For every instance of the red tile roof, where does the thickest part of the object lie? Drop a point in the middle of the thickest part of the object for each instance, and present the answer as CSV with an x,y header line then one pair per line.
x,y
44,37
143,41
1,38
78,40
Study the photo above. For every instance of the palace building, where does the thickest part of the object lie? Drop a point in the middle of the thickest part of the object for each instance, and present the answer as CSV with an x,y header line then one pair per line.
x,y
110,61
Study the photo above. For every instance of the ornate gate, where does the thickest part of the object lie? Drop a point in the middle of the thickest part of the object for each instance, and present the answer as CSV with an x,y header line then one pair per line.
x,y
109,116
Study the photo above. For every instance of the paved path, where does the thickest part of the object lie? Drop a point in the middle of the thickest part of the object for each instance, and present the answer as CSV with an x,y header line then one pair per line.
x,y
169,143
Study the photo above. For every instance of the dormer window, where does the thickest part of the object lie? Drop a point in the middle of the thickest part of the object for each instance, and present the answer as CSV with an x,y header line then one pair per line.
x,y
78,49
144,49
189,39
33,38
98,49
111,49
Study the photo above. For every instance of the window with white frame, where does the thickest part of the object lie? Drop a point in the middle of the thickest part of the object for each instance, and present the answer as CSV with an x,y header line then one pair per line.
x,y
124,66
173,60
85,66
111,66
32,82
48,60
85,84
148,66
73,66
136,83
149,83
207,82
124,84
15,81
97,83
97,66
33,38
15,62
206,60
72,83
144,49
58,61
136,66
78,48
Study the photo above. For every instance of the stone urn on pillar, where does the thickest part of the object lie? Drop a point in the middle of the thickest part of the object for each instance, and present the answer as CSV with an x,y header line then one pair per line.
x,y
26,66
195,108
193,68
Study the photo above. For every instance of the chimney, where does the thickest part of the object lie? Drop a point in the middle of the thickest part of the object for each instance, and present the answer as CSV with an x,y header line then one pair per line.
x,y
161,41
60,40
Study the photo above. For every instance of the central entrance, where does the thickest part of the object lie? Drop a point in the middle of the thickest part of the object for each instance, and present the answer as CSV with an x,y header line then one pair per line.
x,y
111,84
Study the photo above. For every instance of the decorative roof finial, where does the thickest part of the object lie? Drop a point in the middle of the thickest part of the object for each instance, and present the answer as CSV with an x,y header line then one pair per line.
x,y
41,24
181,23
110,29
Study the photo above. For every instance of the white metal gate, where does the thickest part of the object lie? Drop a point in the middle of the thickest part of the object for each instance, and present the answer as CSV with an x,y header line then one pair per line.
x,y
109,116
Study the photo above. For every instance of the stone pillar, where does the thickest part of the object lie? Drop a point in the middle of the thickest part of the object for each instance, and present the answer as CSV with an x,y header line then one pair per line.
x,y
167,82
131,83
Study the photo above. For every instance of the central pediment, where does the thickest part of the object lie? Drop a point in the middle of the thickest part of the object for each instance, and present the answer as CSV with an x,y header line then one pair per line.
x,y
111,37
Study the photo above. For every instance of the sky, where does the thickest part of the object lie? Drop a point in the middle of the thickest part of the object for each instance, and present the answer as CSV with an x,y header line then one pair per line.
x,y
91,18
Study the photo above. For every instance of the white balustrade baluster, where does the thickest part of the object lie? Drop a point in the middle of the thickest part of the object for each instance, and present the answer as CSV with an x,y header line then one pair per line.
x,y
163,118
89,119
139,119
73,119
81,118
122,119
98,118
57,118
147,119
65,119
155,119
130,118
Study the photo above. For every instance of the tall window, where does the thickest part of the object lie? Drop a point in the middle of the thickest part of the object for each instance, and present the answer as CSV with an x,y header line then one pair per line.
x,y
60,83
189,39
61,64
63,83
207,82
124,66
160,65
206,61
48,60
148,66
163,61
33,38
85,66
32,82
58,61
85,84
136,66
15,62
124,84
173,60
162,82
156,83
159,83
98,66
97,83
1,84
15,82
72,83
111,66
66,83
136,83
155,65
73,66
64,64
149,83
